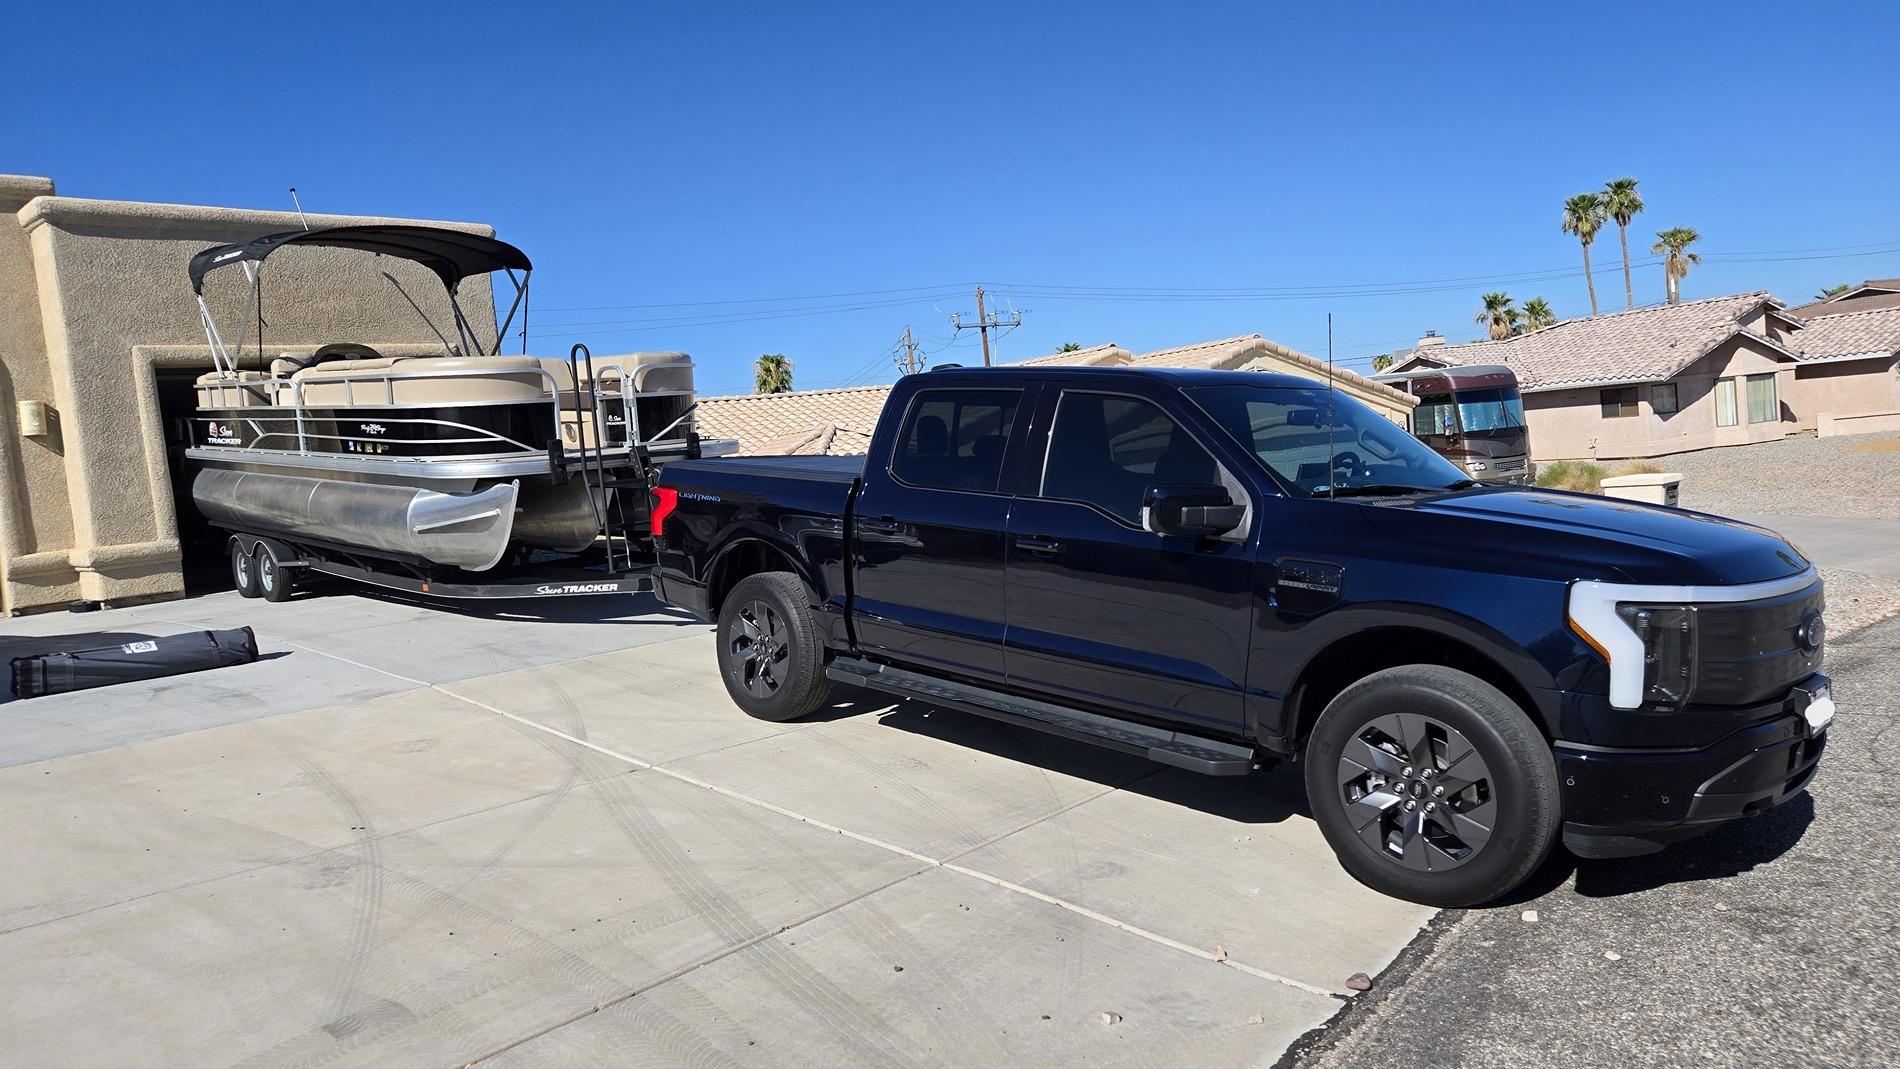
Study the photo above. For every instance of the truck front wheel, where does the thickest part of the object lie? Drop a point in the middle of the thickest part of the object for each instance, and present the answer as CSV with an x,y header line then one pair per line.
x,y
1432,786
770,654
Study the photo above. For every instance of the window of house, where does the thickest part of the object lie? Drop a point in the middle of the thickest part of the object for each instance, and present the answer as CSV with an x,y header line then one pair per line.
x,y
953,439
1619,402
1662,398
1725,402
1106,450
1763,405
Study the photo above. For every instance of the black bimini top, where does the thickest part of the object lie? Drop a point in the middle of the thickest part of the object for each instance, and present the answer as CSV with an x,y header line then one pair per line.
x,y
451,254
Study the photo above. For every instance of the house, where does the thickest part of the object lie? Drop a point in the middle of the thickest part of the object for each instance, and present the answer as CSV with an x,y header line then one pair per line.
x,y
840,422
1872,294
1249,352
1717,371
100,342
795,423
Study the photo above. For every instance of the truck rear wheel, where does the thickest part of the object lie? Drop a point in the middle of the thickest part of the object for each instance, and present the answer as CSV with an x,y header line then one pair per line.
x,y
1432,786
770,653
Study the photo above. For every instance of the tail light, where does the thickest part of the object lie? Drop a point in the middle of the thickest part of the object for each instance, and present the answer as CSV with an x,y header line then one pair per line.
x,y
665,500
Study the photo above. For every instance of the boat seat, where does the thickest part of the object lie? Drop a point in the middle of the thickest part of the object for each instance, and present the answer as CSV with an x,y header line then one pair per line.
x,y
224,389
423,380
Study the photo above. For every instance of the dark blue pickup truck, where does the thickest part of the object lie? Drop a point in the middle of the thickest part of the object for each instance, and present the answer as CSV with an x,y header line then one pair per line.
x,y
1221,570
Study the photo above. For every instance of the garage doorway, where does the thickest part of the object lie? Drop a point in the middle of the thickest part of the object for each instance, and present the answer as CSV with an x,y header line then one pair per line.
x,y
201,546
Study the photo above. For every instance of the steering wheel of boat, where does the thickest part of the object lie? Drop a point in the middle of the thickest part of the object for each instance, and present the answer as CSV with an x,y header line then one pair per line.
x,y
343,351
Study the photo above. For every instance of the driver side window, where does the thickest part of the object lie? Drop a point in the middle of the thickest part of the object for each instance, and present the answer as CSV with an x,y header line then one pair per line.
x,y
1105,450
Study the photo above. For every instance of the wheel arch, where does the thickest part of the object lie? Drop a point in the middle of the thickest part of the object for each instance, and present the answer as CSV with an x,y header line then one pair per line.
x,y
745,556
1355,655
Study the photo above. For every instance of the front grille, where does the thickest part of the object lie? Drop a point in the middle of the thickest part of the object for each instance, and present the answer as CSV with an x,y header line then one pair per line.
x,y
1749,651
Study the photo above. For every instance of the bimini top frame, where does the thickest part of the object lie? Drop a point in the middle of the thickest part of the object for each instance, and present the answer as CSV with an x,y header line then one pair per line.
x,y
452,254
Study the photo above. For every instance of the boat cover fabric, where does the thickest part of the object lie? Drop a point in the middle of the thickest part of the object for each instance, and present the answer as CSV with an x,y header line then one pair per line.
x,y
451,254
151,658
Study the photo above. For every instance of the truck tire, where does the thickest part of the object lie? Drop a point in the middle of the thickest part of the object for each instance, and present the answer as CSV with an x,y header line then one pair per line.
x,y
274,581
243,570
770,653
1432,786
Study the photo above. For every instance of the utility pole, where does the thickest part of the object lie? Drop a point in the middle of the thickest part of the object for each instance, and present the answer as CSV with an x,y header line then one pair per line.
x,y
910,361
986,323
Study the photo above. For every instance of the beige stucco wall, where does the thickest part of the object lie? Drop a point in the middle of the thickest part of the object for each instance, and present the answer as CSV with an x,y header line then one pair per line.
x,y
1569,425
1849,388
108,289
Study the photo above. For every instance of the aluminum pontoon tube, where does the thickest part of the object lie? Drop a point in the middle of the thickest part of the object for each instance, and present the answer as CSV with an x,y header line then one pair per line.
x,y
460,530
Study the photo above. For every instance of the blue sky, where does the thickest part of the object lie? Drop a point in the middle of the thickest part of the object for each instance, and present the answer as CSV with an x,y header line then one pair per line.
x,y
1268,163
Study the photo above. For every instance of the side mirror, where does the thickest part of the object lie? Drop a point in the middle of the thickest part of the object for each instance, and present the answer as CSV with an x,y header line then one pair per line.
x,y
1192,511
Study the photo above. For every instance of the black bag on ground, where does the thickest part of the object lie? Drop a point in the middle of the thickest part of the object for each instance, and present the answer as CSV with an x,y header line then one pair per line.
x,y
151,658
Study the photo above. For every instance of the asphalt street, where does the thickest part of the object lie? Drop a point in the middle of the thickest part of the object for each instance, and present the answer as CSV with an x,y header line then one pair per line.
x,y
1773,941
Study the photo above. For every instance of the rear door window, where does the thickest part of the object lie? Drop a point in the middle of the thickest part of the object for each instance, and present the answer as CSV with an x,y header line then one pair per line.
x,y
954,439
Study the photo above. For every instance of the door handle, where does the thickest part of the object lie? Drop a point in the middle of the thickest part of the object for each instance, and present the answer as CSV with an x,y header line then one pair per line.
x,y
880,525
1039,545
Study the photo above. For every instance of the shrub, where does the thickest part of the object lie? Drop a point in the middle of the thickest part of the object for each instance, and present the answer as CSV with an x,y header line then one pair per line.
x,y
1585,477
1575,475
1639,467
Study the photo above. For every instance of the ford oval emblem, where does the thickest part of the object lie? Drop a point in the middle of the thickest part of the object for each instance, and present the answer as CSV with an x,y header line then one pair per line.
x,y
1811,632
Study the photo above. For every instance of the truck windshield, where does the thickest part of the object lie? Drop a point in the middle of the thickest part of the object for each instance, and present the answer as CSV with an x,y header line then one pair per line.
x,y
1322,443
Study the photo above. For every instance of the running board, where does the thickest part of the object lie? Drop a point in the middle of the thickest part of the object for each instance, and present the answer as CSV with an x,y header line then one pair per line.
x,y
1192,752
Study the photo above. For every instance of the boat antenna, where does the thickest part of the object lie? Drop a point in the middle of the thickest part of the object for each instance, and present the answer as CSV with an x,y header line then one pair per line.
x,y
299,204
1331,478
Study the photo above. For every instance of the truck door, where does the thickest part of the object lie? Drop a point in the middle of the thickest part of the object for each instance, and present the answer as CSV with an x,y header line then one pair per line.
x,y
929,527
1104,612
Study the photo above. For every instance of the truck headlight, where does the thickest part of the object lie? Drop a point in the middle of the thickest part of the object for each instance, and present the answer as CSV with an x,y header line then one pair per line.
x,y
1648,638
1668,635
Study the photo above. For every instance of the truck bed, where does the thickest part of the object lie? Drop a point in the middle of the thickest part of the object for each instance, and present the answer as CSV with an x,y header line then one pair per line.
x,y
818,469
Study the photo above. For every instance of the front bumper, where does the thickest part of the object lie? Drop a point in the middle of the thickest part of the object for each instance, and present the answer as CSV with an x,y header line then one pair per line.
x,y
1622,802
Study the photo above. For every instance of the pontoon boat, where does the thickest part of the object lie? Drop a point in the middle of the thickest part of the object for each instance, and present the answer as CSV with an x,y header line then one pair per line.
x,y
355,462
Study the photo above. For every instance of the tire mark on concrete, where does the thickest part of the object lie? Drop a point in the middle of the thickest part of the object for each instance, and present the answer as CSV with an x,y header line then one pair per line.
x,y
734,924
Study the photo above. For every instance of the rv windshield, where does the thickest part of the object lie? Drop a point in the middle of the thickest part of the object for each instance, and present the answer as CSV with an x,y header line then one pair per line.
x,y
1323,444
1496,409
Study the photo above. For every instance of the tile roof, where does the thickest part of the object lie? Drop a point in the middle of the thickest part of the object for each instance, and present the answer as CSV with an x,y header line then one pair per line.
x,y
1224,354
840,422
1095,356
802,422
1847,303
1632,346
1850,333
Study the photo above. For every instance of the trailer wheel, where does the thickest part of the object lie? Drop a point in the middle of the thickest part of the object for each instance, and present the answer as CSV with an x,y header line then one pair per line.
x,y
243,570
274,581
770,655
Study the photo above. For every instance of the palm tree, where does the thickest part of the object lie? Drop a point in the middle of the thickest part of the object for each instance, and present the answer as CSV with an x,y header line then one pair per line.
x,y
1674,245
1623,203
1381,362
1537,314
1833,291
1583,216
1498,316
771,373
1068,347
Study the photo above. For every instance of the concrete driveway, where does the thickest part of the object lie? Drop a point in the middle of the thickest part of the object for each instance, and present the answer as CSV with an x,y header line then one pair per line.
x,y
418,837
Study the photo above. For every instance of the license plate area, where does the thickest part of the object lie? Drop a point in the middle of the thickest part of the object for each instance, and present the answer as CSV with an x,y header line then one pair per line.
x,y
1813,698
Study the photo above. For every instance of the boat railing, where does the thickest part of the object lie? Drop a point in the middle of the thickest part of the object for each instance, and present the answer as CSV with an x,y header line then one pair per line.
x,y
609,396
